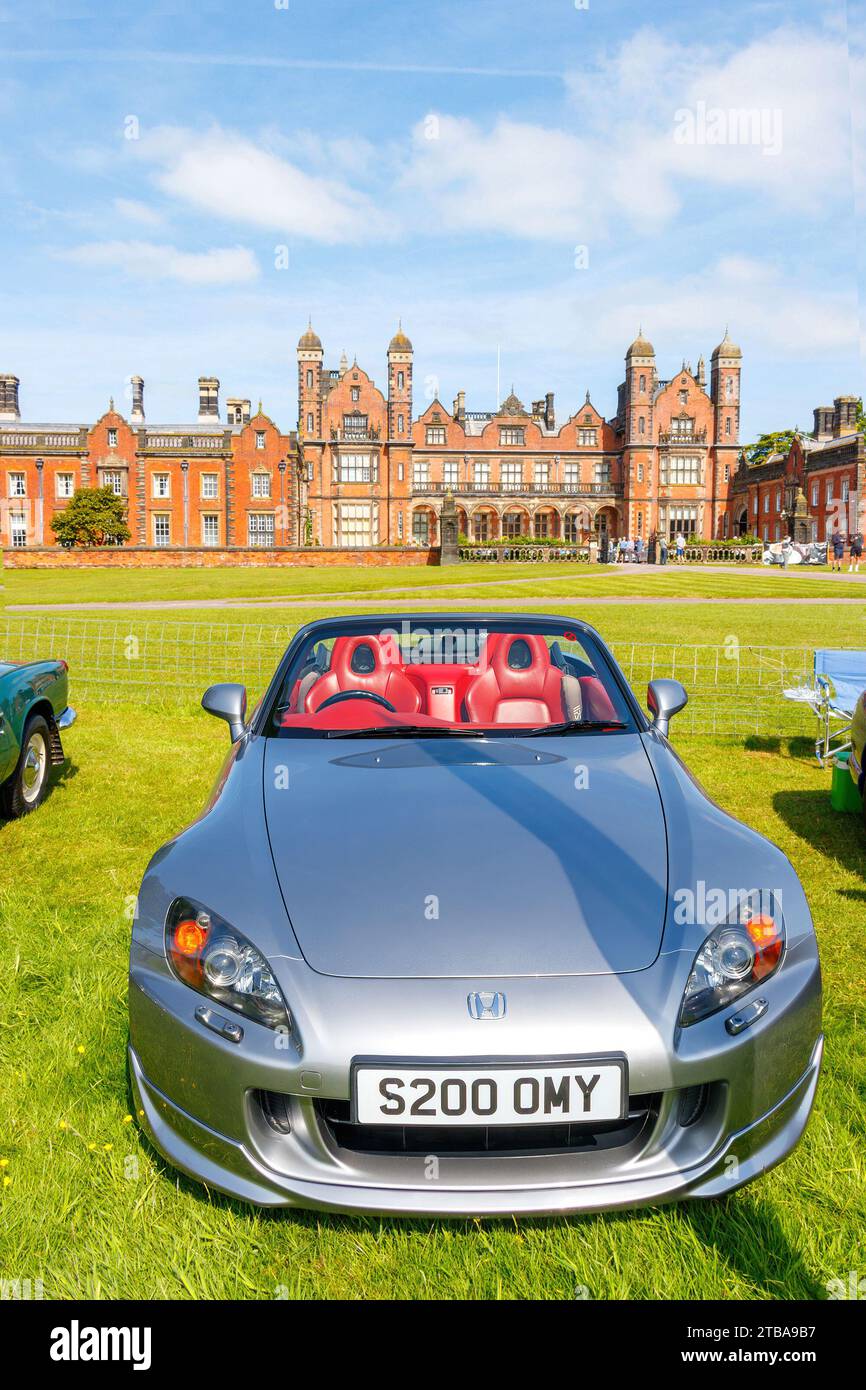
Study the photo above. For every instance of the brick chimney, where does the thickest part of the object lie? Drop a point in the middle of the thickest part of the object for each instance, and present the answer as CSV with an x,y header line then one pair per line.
x,y
823,418
460,406
543,410
208,400
137,413
9,397
844,416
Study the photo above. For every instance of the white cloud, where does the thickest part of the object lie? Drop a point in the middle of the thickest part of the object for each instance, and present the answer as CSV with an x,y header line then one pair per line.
x,y
134,211
516,178
652,123
228,176
148,260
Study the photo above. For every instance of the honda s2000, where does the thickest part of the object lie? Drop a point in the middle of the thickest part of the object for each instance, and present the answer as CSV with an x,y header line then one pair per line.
x,y
458,932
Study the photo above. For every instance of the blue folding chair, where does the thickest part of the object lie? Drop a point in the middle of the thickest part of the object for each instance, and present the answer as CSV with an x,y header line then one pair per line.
x,y
839,681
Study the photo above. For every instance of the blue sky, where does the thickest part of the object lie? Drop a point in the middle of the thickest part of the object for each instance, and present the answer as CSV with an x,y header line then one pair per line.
x,y
184,184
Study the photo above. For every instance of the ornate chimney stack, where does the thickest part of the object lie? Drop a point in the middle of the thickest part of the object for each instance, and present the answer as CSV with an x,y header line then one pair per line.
x,y
844,416
9,397
460,406
208,400
137,413
823,418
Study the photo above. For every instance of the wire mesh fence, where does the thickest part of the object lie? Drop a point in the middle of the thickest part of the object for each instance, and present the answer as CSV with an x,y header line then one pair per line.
x,y
733,689
147,659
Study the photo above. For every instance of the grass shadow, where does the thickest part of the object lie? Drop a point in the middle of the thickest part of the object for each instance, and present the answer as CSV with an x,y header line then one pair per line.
x,y
835,834
796,746
746,1233
762,743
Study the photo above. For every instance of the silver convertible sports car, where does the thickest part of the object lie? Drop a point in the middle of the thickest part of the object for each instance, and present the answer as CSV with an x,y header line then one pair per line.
x,y
457,932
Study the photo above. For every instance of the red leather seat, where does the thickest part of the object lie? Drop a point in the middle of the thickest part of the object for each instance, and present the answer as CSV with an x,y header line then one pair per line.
x,y
518,686
361,663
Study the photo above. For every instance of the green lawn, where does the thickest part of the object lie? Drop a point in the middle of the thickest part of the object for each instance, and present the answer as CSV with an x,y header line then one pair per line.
x,y
89,1208
503,581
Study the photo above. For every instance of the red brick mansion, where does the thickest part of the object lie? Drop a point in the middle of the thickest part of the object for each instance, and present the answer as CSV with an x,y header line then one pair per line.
x,y
363,470
371,469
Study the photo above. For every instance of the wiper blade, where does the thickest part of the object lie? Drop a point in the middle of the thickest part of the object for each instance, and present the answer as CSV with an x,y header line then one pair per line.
x,y
568,726
397,731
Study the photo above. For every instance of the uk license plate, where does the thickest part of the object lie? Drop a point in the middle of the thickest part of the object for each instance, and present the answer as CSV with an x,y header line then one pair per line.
x,y
501,1094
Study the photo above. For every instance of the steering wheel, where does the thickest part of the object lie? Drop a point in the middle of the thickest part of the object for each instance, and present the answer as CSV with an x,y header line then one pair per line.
x,y
357,695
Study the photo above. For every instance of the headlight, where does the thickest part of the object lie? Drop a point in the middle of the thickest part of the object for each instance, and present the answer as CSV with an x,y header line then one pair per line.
x,y
218,961
736,956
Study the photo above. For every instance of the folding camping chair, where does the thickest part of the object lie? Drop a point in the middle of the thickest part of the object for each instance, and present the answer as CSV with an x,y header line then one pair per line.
x,y
839,680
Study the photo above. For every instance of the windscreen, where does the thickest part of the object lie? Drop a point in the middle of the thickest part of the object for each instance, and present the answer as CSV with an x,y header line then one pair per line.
x,y
460,679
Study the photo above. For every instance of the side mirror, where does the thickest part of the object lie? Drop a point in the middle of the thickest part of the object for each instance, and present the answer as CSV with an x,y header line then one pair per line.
x,y
228,702
665,698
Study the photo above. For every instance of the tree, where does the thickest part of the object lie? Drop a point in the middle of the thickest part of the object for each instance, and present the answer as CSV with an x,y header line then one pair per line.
x,y
777,443
93,516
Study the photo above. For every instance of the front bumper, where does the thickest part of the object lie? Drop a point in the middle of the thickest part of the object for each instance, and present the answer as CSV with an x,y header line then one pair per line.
x,y
66,718
197,1098
321,1179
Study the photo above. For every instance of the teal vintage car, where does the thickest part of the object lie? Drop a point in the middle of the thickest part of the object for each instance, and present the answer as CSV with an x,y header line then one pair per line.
x,y
33,712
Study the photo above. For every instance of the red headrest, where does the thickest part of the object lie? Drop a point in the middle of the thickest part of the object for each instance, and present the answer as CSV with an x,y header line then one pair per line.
x,y
520,662
352,657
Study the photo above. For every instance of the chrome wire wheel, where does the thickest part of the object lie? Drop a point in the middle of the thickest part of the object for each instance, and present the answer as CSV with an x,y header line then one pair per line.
x,y
34,768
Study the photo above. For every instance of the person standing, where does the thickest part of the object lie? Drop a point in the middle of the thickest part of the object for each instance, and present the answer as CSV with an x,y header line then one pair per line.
x,y
837,549
681,548
856,552
663,549
638,550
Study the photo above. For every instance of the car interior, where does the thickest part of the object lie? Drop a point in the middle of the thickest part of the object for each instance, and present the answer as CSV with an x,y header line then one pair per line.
x,y
513,679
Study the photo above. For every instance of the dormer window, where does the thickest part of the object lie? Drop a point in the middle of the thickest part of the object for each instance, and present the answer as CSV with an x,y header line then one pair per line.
x,y
356,393
260,439
112,439
684,398
511,434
